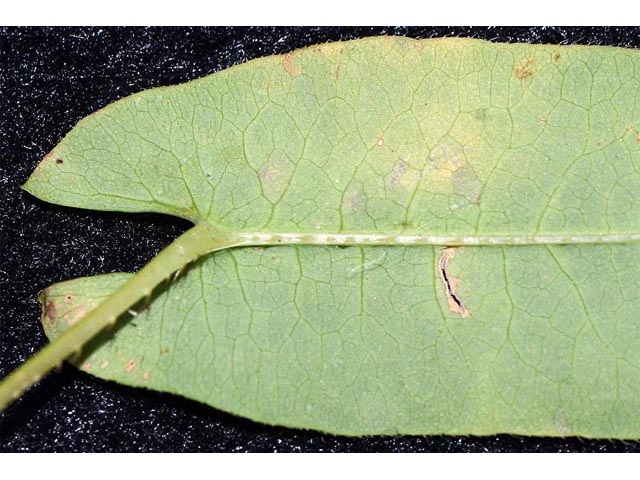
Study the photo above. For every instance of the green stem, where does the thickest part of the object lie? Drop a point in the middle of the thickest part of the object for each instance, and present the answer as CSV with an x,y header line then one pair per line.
x,y
195,242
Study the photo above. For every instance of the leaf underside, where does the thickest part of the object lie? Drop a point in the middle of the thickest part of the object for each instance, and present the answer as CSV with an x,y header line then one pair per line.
x,y
388,136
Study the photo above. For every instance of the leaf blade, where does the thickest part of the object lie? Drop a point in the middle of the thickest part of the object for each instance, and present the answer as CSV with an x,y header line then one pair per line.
x,y
453,138
456,140
559,370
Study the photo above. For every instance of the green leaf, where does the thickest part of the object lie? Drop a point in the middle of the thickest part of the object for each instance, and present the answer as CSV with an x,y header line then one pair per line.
x,y
291,336
367,158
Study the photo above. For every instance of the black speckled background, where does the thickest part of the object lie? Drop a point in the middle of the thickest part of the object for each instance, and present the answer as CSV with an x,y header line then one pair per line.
x,y
49,79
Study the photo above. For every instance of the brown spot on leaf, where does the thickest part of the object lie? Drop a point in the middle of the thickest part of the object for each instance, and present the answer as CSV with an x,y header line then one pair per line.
x,y
50,314
164,350
556,57
380,141
87,366
131,364
291,66
68,298
451,283
146,375
104,364
634,131
59,161
525,70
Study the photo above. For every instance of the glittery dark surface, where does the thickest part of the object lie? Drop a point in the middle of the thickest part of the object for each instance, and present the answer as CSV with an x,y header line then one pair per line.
x,y
50,79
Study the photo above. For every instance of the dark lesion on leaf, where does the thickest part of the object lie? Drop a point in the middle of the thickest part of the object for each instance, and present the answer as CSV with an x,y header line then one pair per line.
x,y
50,314
451,283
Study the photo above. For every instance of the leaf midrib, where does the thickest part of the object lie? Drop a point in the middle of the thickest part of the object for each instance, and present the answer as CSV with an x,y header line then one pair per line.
x,y
317,238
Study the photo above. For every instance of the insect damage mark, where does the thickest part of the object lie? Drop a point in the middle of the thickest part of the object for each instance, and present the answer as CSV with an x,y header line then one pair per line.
x,y
367,266
451,283
50,158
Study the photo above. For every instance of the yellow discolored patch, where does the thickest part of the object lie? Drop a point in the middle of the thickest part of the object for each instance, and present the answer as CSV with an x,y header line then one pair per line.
x,y
446,158
447,168
330,49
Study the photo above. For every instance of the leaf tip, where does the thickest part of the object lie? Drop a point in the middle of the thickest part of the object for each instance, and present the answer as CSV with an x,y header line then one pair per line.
x,y
52,159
